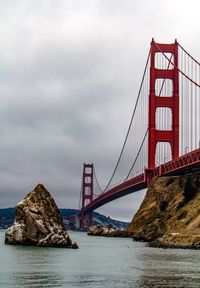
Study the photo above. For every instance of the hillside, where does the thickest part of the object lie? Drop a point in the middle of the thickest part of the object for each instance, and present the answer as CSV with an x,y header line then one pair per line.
x,y
69,219
171,207
7,217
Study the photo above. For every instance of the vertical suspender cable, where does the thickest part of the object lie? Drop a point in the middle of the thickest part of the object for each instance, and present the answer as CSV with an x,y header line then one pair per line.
x,y
128,131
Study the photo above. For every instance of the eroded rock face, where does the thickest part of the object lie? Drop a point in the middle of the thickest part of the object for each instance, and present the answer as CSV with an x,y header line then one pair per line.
x,y
170,213
38,222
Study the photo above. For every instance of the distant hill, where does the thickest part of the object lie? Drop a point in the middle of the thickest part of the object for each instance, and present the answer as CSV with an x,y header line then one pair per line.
x,y
7,218
69,219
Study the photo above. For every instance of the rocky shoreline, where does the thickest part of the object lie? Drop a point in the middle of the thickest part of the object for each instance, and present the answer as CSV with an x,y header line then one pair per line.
x,y
109,231
169,216
177,240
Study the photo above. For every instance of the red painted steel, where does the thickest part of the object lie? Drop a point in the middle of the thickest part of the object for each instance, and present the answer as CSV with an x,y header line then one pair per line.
x,y
188,163
155,101
87,194
137,183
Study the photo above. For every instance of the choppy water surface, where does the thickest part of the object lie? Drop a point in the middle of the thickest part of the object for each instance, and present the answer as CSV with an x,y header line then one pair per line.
x,y
100,262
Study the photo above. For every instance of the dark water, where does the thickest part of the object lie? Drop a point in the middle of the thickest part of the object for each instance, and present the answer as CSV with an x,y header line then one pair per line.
x,y
100,262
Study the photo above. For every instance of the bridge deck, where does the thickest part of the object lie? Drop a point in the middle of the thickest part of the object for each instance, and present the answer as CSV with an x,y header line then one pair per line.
x,y
188,163
132,185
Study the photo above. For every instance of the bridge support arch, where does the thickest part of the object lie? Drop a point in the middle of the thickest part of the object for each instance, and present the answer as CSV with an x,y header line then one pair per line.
x,y
87,194
156,101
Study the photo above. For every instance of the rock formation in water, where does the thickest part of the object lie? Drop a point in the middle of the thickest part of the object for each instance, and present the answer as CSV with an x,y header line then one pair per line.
x,y
38,222
110,231
170,213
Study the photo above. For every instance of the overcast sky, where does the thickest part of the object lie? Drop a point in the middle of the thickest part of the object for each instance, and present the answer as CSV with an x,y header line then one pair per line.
x,y
70,71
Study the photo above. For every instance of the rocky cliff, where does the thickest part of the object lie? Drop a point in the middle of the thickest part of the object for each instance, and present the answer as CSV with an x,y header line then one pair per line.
x,y
170,213
38,222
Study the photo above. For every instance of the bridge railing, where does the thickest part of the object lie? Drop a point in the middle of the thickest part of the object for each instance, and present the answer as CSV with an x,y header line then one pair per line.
x,y
176,166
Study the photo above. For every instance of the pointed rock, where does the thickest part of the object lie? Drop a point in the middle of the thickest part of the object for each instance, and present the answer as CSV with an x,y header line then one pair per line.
x,y
38,222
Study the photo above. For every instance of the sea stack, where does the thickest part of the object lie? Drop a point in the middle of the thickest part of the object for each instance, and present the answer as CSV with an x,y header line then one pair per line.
x,y
38,222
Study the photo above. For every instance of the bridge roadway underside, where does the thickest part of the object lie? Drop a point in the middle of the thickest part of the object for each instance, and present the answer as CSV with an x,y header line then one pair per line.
x,y
113,194
185,164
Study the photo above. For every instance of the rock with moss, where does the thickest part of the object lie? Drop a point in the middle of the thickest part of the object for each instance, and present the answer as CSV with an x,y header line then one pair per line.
x,y
38,222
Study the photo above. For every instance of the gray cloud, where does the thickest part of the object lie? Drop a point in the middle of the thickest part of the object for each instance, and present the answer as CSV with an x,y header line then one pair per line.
x,y
69,76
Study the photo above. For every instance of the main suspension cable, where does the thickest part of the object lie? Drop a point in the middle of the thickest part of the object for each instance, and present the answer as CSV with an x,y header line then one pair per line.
x,y
137,155
145,135
178,68
130,124
188,54
95,176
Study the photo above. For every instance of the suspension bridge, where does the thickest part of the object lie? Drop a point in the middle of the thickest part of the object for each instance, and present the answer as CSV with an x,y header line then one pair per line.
x,y
163,136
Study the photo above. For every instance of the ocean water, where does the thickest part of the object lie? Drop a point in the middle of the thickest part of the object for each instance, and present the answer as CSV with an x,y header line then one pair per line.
x,y
99,262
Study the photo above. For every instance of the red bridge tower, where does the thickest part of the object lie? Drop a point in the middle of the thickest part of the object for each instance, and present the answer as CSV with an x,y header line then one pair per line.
x,y
87,194
157,101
